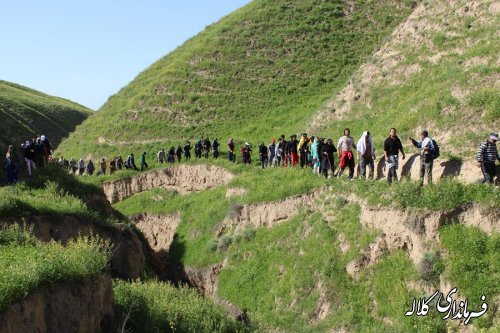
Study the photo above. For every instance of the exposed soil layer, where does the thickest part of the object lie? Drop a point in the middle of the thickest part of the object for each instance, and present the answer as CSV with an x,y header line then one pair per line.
x,y
183,179
63,308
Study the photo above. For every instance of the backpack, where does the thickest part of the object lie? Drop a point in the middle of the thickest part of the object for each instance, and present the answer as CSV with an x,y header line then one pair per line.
x,y
435,152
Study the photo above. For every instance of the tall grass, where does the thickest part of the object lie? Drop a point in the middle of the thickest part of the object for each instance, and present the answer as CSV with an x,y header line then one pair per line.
x,y
28,264
155,306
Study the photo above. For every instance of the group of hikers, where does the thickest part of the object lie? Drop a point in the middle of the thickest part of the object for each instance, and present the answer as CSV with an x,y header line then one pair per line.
x,y
317,153
37,153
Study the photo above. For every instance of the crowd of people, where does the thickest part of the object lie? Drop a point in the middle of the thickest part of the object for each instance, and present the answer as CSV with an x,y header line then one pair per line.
x,y
317,153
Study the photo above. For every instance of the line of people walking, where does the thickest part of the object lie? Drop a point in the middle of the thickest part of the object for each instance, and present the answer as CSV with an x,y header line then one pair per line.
x,y
317,153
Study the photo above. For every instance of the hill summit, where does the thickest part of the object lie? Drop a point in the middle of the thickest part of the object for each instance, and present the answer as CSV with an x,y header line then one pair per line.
x,y
268,66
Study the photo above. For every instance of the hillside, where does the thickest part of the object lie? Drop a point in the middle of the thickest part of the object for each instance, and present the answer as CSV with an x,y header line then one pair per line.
x,y
266,67
26,112
439,70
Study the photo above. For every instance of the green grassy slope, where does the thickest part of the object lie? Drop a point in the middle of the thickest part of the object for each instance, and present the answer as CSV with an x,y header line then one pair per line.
x,y
438,71
266,67
26,112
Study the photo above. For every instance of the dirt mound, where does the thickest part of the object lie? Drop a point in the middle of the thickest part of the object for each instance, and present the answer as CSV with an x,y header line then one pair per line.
x,y
159,230
265,214
411,230
128,258
182,178
64,307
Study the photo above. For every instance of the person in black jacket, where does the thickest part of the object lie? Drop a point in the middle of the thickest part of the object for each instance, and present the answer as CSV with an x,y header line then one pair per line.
x,y
263,155
207,146
327,160
29,156
215,148
178,152
187,151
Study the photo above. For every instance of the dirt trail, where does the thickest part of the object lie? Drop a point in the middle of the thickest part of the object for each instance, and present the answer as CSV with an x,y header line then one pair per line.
x,y
182,178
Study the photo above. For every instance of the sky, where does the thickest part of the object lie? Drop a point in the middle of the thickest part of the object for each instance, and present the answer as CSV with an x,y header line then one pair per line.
x,y
87,50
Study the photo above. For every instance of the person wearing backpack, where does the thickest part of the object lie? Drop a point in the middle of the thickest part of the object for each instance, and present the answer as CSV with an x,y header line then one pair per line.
x,y
486,156
427,155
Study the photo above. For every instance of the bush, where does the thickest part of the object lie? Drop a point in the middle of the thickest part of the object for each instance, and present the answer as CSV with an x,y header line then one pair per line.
x,y
160,307
28,264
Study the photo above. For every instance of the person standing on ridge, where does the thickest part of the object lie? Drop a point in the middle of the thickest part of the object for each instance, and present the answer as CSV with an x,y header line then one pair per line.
x,y
198,147
90,168
171,155
187,151
103,167
328,162
486,156
278,152
81,167
293,148
160,157
215,148
207,146
272,152
11,165
246,153
344,147
426,146
314,155
144,165
264,158
29,157
47,152
119,162
178,152
392,147
130,164
303,148
230,151
366,155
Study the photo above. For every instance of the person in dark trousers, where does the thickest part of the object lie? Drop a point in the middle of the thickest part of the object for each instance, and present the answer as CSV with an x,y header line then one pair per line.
x,y
230,151
11,165
215,148
366,155
39,153
278,153
327,160
486,156
198,147
392,147
426,147
345,147
207,146
171,155
284,153
263,154
103,167
187,151
144,165
90,168
272,153
303,148
246,153
119,162
178,152
160,156
130,164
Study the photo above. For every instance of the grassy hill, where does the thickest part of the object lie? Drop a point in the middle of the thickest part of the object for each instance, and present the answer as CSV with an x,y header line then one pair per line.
x,y
263,69
439,70
26,112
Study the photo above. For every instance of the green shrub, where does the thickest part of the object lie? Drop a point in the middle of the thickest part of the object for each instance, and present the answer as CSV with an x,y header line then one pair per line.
x,y
28,264
160,307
